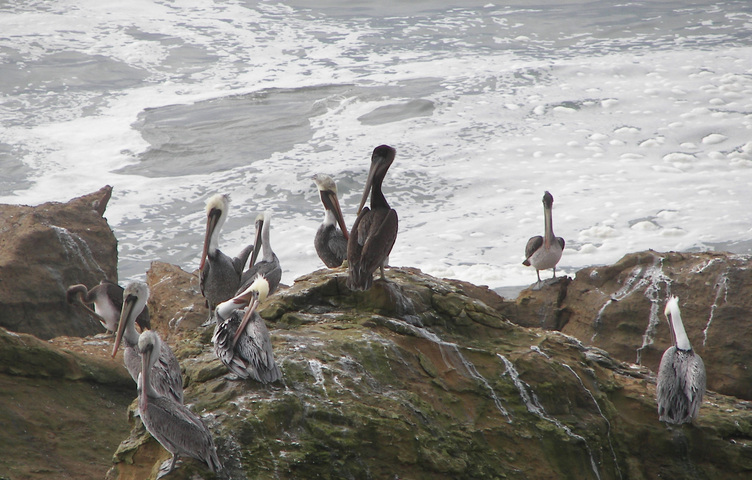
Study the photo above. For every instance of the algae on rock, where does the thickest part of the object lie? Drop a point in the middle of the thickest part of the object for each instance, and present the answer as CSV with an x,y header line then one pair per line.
x,y
414,379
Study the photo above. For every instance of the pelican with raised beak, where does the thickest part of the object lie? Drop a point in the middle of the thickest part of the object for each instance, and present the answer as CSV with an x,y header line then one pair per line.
x,y
375,230
544,252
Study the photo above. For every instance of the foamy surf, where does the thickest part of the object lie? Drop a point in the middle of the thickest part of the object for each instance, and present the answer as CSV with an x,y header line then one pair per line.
x,y
640,132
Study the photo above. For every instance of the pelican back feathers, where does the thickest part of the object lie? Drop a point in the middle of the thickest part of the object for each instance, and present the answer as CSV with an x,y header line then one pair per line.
x,y
171,423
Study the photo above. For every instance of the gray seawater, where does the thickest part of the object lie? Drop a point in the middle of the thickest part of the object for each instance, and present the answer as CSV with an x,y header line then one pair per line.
x,y
274,92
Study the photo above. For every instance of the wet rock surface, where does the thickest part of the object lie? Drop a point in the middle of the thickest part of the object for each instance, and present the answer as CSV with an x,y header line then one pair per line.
x,y
416,379
619,308
43,250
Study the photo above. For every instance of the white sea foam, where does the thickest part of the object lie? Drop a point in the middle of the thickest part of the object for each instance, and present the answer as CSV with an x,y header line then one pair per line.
x,y
621,130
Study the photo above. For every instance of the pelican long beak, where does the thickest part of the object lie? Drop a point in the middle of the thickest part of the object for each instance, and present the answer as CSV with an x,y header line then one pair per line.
x,y
211,224
128,303
241,300
331,202
671,304
144,378
369,184
670,328
256,242
548,204
246,318
381,159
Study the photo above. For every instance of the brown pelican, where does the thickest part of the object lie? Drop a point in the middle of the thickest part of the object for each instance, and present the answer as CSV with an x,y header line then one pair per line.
x,y
241,339
330,243
268,266
166,377
375,230
681,375
171,423
219,274
107,298
544,252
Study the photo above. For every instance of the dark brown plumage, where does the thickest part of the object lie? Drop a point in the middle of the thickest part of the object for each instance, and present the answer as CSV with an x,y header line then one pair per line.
x,y
375,230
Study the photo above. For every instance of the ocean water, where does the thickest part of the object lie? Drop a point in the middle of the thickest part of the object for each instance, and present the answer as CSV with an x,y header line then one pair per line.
x,y
636,116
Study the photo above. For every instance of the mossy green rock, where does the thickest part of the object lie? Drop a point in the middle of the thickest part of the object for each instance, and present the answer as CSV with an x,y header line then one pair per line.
x,y
414,379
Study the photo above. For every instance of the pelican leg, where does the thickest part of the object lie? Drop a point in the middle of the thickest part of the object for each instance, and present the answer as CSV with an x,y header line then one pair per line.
x,y
383,276
210,320
164,469
539,284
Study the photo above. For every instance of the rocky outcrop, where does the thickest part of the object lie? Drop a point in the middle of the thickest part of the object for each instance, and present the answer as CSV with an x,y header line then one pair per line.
x,y
619,308
43,250
175,302
417,379
62,406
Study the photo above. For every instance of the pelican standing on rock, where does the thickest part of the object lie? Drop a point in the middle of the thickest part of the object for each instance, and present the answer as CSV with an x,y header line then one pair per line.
x,y
107,298
544,252
166,377
219,277
241,339
330,243
171,423
681,375
268,266
375,230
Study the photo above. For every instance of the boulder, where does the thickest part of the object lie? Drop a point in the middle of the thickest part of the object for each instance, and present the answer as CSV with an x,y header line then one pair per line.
x,y
540,306
62,406
417,379
43,250
619,308
175,300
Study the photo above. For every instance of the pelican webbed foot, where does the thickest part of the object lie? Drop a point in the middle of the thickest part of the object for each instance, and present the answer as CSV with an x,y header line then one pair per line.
x,y
209,321
383,275
167,466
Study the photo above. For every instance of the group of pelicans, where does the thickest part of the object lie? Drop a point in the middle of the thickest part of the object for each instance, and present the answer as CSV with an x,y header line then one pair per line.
x,y
242,341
